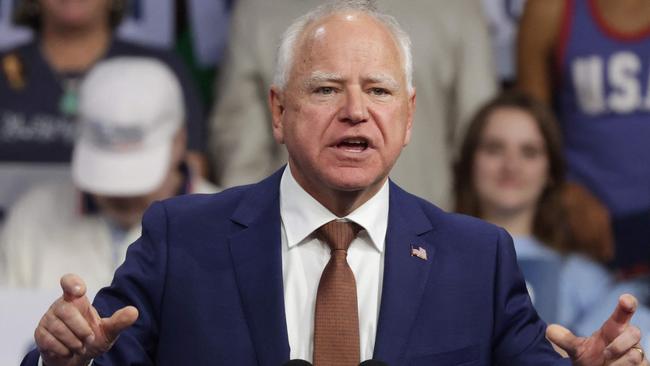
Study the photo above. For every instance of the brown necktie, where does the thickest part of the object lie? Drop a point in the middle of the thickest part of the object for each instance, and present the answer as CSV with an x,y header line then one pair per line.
x,y
336,324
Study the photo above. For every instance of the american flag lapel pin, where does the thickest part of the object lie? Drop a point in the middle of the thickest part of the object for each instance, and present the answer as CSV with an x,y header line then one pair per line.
x,y
417,251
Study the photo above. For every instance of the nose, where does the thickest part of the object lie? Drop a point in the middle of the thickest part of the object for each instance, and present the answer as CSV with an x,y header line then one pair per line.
x,y
512,161
354,110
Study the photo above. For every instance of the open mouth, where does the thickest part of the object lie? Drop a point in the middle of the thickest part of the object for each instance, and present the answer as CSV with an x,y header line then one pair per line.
x,y
356,144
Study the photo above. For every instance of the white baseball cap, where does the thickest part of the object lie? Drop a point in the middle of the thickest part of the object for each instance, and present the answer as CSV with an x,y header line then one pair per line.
x,y
130,109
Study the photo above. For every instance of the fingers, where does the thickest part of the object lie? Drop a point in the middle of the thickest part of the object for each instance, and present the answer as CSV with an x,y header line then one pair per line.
x,y
630,337
119,321
73,287
619,349
66,326
631,358
62,333
71,316
620,318
56,337
72,325
563,338
48,344
615,343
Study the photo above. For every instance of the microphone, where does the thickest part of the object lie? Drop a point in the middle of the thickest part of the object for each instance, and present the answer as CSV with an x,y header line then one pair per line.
x,y
297,363
373,363
305,363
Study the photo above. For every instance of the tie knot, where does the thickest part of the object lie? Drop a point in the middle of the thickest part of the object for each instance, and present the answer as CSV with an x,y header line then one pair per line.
x,y
339,234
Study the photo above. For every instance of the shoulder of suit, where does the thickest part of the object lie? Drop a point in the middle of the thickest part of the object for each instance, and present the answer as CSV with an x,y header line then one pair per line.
x,y
221,203
454,223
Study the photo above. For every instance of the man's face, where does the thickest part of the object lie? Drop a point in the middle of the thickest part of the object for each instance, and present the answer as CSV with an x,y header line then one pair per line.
x,y
125,212
346,111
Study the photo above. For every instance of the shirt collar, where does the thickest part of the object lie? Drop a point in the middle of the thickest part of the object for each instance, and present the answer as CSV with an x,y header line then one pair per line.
x,y
302,214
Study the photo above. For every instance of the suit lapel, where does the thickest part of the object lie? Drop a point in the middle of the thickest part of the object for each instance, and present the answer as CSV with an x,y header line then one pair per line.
x,y
257,260
405,276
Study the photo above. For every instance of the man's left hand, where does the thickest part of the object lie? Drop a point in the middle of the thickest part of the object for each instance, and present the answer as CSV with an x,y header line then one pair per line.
x,y
615,343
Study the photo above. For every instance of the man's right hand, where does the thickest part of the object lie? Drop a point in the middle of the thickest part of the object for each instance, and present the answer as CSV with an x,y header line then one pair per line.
x,y
71,333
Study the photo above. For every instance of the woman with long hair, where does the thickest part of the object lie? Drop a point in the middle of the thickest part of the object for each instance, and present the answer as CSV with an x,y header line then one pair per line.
x,y
511,172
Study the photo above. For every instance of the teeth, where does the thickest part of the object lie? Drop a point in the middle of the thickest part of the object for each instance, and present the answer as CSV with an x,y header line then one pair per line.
x,y
354,141
354,144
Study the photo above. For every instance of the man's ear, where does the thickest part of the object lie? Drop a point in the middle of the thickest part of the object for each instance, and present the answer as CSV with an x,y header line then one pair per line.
x,y
276,104
410,114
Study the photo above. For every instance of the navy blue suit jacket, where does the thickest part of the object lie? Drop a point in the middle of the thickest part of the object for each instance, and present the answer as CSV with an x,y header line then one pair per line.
x,y
206,276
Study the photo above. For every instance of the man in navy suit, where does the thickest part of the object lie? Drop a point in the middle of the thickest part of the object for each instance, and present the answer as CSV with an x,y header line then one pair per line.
x,y
230,279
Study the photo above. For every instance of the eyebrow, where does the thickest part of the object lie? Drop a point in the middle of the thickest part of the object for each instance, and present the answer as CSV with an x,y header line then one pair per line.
x,y
322,76
383,79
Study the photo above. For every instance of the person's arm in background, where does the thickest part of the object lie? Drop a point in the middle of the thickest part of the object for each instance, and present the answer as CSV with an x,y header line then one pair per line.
x,y
12,244
589,223
3,258
539,31
241,145
20,238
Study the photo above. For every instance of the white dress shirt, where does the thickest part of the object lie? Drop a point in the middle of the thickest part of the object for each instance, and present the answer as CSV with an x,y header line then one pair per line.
x,y
304,257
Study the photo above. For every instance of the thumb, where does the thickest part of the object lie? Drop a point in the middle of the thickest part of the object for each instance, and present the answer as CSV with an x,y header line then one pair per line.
x,y
120,320
73,287
563,338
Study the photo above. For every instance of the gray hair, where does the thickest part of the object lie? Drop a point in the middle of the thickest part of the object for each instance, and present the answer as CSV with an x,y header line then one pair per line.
x,y
287,48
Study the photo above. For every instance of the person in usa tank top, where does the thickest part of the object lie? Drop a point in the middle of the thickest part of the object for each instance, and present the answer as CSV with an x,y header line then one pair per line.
x,y
591,60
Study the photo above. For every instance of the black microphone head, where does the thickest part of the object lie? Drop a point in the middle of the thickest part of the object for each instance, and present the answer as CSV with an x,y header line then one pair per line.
x,y
373,363
297,363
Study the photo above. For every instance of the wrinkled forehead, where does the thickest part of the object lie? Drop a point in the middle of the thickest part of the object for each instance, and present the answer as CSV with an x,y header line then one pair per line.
x,y
326,38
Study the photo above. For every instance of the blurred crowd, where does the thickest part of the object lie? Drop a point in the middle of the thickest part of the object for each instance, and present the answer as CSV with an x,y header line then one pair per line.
x,y
532,114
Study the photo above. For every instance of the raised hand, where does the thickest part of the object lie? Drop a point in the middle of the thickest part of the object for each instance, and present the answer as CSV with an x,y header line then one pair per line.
x,y
615,343
71,333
